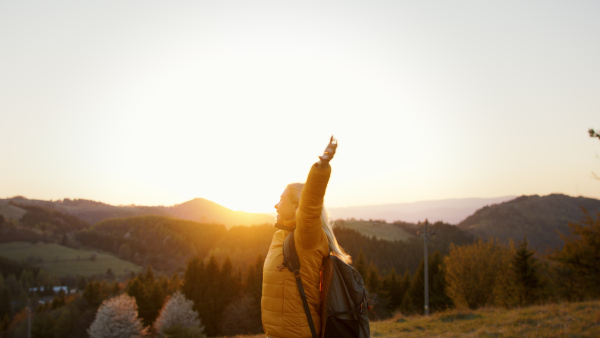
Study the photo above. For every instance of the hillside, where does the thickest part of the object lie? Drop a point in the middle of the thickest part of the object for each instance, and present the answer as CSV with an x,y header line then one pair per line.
x,y
447,210
402,255
381,230
92,212
37,223
164,243
89,211
61,261
539,218
205,211
554,320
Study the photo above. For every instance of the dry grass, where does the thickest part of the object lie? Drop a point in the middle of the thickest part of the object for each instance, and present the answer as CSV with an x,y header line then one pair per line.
x,y
554,320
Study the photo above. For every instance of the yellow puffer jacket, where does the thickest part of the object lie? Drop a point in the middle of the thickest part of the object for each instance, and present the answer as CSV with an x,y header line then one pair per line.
x,y
282,311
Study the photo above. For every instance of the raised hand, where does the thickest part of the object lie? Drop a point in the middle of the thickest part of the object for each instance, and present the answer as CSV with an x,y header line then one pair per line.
x,y
329,151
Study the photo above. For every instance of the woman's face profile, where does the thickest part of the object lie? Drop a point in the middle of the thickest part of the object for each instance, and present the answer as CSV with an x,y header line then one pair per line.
x,y
286,209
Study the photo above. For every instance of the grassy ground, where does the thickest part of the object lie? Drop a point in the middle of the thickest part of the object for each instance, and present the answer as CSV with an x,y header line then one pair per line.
x,y
61,261
10,211
379,230
554,320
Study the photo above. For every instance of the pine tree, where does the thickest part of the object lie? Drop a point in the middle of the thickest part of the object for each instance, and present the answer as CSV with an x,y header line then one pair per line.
x,y
193,280
210,311
373,279
174,283
524,267
391,289
580,256
404,285
412,302
438,298
117,317
228,286
96,292
361,264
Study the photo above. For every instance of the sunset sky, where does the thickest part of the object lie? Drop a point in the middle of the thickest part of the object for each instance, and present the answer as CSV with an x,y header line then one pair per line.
x,y
159,102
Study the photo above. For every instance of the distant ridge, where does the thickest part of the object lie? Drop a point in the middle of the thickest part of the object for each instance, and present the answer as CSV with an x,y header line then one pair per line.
x,y
205,211
539,218
447,210
198,209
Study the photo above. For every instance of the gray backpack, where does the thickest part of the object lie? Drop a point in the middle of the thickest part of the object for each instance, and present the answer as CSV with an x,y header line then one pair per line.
x,y
344,306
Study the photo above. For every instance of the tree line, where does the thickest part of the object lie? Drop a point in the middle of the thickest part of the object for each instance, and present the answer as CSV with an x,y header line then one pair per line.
x,y
225,300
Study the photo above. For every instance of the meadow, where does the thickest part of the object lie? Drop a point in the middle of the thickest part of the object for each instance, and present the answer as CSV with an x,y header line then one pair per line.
x,y
580,319
61,261
380,230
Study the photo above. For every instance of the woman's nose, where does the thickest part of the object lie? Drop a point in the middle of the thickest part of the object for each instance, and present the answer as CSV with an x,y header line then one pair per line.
x,y
276,205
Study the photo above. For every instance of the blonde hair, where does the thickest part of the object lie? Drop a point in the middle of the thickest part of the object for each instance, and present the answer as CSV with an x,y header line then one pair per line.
x,y
295,191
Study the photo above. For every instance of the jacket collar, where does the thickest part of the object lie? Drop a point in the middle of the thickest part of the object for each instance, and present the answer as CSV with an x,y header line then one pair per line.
x,y
285,227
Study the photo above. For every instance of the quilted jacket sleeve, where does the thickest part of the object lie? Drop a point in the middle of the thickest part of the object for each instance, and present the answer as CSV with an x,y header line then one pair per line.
x,y
308,217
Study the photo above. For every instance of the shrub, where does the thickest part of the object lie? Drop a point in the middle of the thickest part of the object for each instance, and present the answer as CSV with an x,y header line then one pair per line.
x,y
178,319
117,317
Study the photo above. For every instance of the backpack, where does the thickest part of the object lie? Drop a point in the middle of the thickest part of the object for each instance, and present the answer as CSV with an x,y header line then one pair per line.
x,y
344,306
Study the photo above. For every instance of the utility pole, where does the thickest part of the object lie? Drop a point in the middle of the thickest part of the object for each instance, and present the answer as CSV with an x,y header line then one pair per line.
x,y
425,236
28,318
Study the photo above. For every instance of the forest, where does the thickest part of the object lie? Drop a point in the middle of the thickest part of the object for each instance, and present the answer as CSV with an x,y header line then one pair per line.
x,y
212,275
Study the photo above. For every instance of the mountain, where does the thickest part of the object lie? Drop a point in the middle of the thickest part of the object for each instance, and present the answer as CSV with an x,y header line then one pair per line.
x,y
90,211
539,218
448,210
199,209
205,211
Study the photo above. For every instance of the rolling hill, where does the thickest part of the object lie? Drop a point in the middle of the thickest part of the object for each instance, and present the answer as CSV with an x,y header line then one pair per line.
x,y
205,211
62,261
198,209
380,230
165,243
539,218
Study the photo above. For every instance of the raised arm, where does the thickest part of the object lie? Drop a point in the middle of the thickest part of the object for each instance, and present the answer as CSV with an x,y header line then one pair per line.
x,y
308,217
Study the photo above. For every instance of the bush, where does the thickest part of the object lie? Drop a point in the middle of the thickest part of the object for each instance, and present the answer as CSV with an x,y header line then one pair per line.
x,y
117,317
178,319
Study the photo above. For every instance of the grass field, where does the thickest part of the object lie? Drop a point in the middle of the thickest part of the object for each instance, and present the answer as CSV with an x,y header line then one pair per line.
x,y
380,230
10,211
553,320
62,261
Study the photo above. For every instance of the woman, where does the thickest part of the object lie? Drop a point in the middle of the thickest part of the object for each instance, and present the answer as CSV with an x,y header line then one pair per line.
x,y
301,208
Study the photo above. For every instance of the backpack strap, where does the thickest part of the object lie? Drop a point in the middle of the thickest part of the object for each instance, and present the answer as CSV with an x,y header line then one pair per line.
x,y
326,277
292,262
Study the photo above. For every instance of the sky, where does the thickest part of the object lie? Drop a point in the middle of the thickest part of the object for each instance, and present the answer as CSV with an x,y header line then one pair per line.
x,y
159,102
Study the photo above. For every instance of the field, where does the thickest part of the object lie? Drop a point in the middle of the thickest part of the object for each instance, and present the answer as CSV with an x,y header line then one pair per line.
x,y
554,320
10,211
380,230
62,261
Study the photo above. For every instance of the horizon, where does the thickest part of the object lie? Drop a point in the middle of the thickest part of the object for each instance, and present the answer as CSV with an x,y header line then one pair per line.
x,y
504,198
157,103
